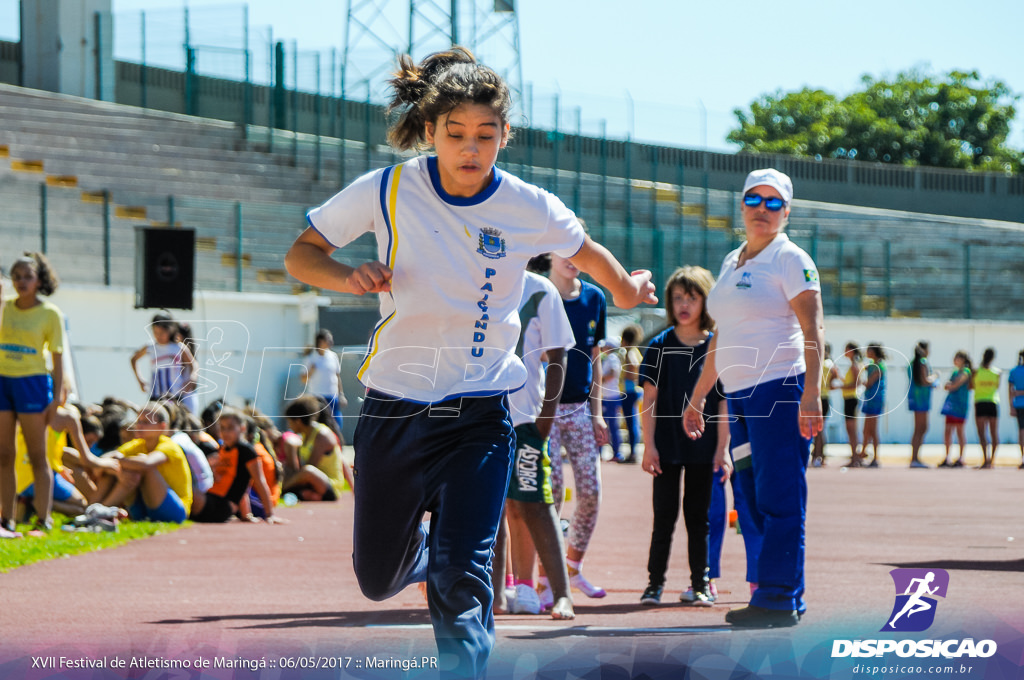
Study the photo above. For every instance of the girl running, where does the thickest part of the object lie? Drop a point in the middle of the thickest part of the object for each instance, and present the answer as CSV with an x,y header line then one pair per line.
x,y
454,235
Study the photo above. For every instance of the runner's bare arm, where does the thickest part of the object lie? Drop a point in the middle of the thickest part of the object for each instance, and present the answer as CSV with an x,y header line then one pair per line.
x,y
628,289
309,260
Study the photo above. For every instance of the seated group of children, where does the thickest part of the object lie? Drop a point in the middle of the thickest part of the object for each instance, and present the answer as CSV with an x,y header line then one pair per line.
x,y
159,462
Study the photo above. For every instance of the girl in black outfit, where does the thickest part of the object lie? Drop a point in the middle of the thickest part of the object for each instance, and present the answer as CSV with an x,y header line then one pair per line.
x,y
669,372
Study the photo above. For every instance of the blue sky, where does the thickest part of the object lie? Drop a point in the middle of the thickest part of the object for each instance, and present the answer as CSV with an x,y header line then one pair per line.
x,y
677,59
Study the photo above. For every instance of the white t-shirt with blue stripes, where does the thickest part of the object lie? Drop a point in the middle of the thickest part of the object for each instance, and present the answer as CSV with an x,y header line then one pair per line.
x,y
450,325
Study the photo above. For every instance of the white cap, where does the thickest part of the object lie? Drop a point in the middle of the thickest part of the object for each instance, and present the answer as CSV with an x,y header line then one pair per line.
x,y
772,178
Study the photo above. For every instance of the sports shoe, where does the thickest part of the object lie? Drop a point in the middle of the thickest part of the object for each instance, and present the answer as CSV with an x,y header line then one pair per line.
x,y
546,597
696,598
40,528
8,533
652,595
525,601
581,584
752,616
90,525
713,589
100,511
919,464
97,512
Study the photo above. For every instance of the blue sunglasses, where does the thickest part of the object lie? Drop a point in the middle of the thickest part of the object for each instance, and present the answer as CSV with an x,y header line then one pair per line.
x,y
773,203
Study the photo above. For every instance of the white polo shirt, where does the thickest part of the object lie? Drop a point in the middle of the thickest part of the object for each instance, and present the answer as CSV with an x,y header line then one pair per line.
x,y
450,325
545,326
759,336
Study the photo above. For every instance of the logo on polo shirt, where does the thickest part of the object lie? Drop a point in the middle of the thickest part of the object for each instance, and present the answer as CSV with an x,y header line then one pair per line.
x,y
491,245
746,281
810,275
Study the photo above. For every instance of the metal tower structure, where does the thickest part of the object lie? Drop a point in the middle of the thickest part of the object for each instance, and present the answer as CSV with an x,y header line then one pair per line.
x,y
377,31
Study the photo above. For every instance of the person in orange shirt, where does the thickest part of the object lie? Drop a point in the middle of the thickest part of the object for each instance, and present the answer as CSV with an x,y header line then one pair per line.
x,y
234,469
265,437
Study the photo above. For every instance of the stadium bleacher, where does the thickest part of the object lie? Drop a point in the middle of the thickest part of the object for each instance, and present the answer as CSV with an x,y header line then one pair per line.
x,y
106,168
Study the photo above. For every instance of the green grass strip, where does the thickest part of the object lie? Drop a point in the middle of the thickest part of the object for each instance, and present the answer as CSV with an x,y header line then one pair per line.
x,y
58,543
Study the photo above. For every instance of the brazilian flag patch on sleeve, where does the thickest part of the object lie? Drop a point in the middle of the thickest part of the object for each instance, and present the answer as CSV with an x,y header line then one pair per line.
x,y
810,274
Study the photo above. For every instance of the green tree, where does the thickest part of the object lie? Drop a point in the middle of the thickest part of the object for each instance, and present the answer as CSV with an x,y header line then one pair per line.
x,y
954,121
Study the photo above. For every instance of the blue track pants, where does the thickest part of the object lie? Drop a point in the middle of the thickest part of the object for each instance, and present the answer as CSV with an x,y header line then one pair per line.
x,y
451,459
771,465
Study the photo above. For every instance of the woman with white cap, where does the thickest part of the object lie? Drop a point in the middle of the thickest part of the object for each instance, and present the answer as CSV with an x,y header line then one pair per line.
x,y
768,356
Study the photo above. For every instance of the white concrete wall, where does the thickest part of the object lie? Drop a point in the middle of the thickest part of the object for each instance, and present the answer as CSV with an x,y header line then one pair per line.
x,y
247,343
251,344
899,336
945,338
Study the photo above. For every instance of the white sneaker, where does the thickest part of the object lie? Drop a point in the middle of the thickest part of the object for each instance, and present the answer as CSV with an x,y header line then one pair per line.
x,y
100,511
90,525
696,598
581,584
7,533
525,601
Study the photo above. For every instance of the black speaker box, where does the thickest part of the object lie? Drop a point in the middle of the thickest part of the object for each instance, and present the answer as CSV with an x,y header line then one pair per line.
x,y
165,263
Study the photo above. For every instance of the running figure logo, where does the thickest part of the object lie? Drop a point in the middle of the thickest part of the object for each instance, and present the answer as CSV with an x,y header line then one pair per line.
x,y
914,611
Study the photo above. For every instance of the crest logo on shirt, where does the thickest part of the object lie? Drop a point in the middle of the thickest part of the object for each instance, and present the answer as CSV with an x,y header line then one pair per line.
x,y
810,275
491,245
746,281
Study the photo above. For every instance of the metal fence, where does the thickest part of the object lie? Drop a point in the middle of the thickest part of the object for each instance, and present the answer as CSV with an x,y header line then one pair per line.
x,y
655,207
211,62
928,272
